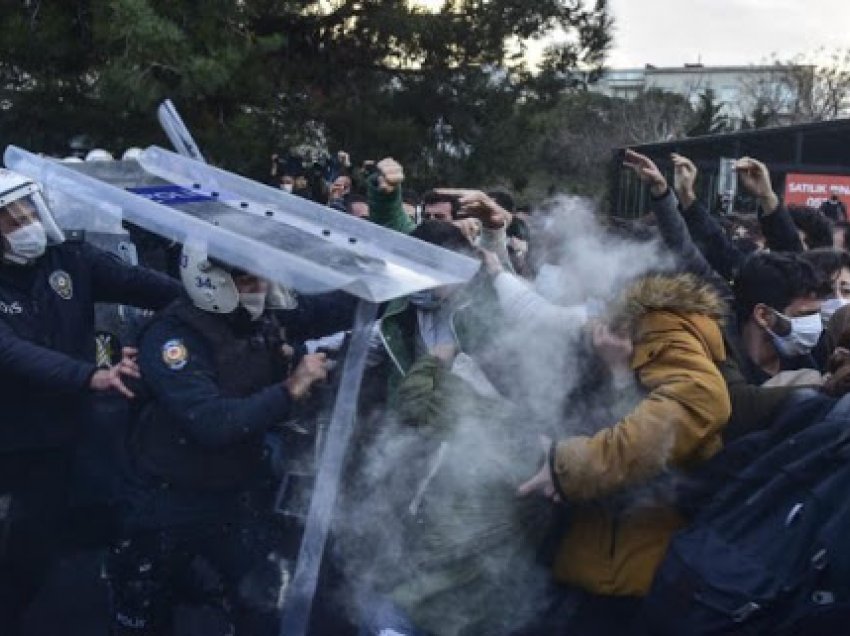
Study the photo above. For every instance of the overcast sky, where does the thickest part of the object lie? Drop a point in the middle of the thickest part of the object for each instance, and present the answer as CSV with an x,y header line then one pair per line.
x,y
673,32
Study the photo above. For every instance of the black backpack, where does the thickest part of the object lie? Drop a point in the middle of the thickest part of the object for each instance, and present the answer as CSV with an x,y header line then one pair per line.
x,y
769,552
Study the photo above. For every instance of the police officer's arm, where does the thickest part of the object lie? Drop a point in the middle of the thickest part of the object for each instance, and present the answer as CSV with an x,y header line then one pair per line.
x,y
40,366
180,370
113,281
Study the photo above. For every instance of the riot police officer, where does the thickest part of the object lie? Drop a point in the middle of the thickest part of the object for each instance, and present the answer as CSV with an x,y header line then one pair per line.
x,y
218,381
48,287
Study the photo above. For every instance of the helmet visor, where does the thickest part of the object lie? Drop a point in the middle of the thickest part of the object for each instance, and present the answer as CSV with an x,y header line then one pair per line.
x,y
27,209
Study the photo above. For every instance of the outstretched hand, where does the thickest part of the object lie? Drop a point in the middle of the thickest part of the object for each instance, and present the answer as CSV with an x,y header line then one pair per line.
x,y
755,179
478,204
541,482
390,175
646,171
112,379
685,182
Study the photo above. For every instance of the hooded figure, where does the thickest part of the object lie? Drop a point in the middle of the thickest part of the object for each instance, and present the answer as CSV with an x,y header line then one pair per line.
x,y
616,541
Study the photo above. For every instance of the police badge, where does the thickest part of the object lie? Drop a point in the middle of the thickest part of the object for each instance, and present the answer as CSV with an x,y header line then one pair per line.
x,y
174,354
61,283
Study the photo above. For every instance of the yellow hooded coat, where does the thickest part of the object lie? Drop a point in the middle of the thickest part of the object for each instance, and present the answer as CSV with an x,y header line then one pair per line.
x,y
677,340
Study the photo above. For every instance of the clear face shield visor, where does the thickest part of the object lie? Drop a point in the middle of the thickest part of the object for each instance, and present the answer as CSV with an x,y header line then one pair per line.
x,y
29,206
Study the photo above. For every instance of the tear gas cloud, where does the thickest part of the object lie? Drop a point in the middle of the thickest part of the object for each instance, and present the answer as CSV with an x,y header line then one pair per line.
x,y
430,518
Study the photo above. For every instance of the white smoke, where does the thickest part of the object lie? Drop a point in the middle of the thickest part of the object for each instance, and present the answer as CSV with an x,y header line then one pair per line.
x,y
449,486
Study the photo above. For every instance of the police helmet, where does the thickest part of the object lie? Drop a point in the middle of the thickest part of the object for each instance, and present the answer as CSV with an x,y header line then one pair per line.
x,y
131,153
209,284
99,154
20,197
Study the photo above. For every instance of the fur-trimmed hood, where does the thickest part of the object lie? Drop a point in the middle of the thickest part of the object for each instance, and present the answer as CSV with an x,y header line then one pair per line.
x,y
682,294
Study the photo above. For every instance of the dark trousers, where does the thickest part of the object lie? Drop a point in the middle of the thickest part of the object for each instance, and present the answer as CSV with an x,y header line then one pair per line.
x,y
232,566
36,528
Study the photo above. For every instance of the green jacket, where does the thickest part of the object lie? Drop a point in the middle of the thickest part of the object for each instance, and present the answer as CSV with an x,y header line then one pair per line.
x,y
470,543
473,322
386,209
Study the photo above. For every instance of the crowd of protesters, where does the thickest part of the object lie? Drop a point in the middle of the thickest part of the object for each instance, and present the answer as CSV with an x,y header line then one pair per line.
x,y
521,437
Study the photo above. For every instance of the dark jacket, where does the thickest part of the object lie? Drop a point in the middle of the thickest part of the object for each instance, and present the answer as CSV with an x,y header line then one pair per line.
x,y
47,345
214,384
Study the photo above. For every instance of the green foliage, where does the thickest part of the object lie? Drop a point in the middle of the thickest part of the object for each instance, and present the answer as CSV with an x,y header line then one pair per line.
x,y
709,118
440,91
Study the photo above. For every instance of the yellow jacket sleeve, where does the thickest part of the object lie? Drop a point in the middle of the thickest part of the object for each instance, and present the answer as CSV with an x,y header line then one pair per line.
x,y
677,424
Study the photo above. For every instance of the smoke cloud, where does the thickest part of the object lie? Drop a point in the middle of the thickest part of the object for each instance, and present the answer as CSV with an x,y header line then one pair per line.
x,y
430,519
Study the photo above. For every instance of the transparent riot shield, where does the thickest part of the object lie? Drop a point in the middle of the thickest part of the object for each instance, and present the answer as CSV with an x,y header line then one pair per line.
x,y
290,241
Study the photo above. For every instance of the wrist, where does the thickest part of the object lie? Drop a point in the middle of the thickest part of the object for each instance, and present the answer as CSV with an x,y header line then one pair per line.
x,y
687,198
658,189
296,388
769,203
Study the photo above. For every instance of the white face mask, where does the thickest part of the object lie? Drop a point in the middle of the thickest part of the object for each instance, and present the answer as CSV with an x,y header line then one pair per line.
x,y
254,303
286,187
29,241
804,335
829,307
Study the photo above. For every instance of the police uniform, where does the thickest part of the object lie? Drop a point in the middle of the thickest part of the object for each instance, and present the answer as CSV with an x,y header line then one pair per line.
x,y
47,353
197,452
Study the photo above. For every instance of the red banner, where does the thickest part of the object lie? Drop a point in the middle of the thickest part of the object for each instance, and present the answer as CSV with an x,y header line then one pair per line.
x,y
811,190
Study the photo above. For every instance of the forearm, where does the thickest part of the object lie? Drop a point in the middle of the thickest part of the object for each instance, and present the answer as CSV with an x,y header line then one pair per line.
x,y
496,240
224,421
43,367
386,209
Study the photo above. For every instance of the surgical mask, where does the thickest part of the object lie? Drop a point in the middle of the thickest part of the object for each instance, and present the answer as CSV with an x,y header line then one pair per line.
x,y
29,241
804,335
829,307
254,303
286,187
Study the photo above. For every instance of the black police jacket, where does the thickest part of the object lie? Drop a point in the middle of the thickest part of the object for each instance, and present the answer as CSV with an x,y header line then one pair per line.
x,y
47,347
215,388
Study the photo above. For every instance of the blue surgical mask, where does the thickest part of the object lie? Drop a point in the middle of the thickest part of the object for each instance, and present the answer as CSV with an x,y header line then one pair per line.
x,y
804,335
28,242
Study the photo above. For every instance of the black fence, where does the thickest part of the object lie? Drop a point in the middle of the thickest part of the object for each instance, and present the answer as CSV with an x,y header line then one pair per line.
x,y
820,148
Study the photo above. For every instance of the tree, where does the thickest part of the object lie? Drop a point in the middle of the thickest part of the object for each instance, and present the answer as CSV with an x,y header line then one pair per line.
x,y
252,76
654,116
801,90
709,118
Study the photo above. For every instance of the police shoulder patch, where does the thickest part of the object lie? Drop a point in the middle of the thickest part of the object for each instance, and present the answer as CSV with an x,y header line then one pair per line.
x,y
61,283
175,355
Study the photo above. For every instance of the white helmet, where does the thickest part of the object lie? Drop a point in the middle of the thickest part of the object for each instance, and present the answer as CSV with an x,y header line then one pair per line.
x,y
131,153
210,286
72,159
99,154
15,187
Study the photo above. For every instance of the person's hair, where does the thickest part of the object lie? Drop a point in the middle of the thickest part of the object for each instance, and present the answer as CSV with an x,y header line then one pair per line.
x,y
504,199
633,230
443,234
410,197
431,197
519,229
828,261
816,227
774,279
353,198
747,221
746,245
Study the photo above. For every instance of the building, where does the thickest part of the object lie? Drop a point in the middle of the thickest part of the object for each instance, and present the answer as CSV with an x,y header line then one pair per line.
x,y
741,89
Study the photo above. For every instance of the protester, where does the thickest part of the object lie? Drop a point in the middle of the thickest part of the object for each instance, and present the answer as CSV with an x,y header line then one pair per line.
x,y
665,329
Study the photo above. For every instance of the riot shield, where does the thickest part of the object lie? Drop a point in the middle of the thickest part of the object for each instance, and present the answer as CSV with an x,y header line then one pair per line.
x,y
288,240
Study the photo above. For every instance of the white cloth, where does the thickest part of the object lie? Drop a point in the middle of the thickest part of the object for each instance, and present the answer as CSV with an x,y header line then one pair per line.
x,y
523,305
